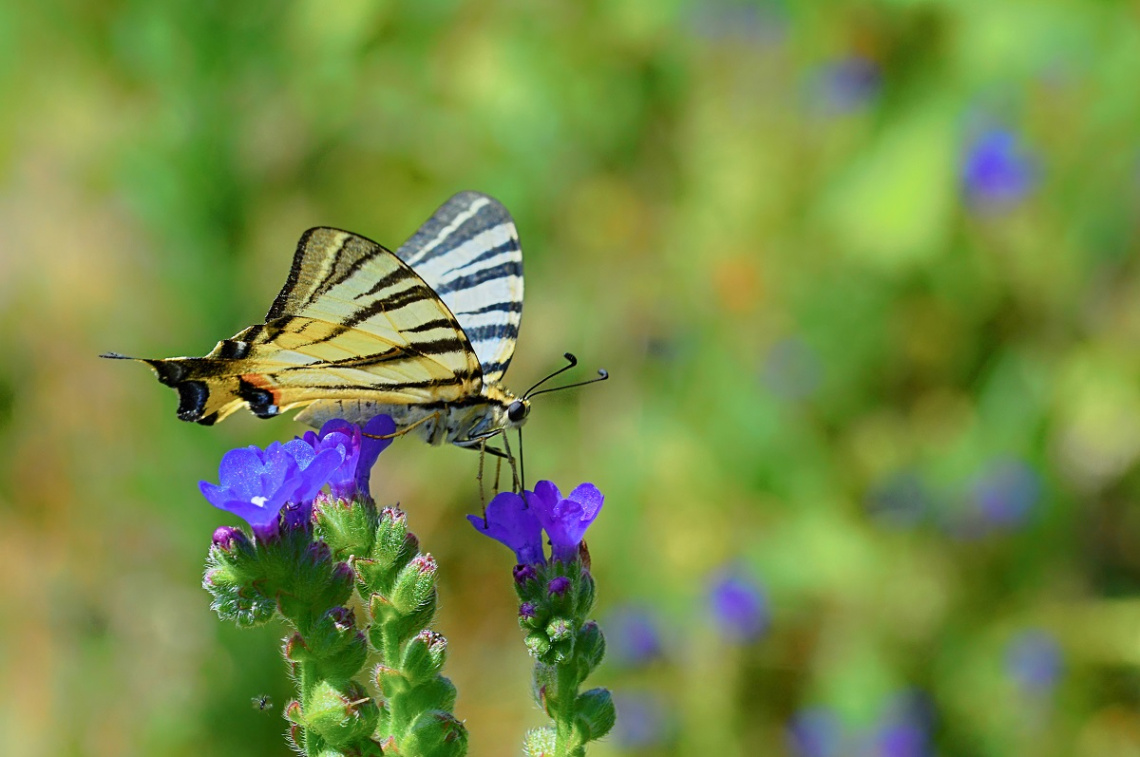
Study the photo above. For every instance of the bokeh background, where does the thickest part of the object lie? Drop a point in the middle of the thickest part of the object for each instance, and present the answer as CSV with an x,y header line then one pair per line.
x,y
864,273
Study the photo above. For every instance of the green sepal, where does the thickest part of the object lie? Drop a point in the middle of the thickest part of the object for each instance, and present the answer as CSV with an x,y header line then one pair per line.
x,y
585,590
347,526
591,648
594,715
540,742
244,604
342,718
423,657
436,733
545,689
437,693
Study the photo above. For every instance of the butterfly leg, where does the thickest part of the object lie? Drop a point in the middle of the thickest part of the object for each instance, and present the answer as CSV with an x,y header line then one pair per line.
x,y
516,485
406,429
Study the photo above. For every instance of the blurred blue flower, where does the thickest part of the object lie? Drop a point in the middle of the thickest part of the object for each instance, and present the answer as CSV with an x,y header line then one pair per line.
x,y
642,721
511,522
632,636
565,520
815,732
738,605
850,83
256,484
1034,661
792,370
359,451
996,169
1006,492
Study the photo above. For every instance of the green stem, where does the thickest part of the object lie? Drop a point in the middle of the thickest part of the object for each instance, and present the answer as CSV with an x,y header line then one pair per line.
x,y
564,713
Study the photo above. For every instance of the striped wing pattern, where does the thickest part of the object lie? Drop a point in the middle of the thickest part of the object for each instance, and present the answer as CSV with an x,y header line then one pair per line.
x,y
468,253
353,321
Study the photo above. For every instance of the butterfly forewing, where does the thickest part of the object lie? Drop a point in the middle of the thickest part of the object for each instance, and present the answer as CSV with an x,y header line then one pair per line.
x,y
468,253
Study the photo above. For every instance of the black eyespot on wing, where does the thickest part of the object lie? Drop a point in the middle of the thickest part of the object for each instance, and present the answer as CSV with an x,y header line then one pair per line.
x,y
169,372
192,397
261,402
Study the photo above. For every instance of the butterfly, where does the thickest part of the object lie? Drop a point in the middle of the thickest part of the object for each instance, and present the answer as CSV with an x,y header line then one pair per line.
x,y
423,334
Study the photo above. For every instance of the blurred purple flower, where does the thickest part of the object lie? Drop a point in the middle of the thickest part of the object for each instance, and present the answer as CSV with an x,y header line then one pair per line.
x,y
642,721
565,520
511,522
256,484
904,729
996,169
1006,492
815,732
850,83
1033,659
792,370
632,636
738,605
359,451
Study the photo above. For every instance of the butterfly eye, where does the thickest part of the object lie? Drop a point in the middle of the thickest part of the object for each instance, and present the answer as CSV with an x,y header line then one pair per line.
x,y
517,411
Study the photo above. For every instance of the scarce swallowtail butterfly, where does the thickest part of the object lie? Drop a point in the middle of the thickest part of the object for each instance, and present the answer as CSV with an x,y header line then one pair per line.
x,y
424,334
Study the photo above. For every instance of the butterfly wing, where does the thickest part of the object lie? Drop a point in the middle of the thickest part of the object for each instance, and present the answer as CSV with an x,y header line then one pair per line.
x,y
353,321
468,252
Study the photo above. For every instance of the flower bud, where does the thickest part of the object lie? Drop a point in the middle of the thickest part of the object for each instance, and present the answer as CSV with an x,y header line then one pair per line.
x,y
591,648
558,586
415,584
585,590
524,574
347,526
341,717
423,656
594,714
538,643
231,540
436,733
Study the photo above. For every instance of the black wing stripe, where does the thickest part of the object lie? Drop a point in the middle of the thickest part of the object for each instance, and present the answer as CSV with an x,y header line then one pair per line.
x,y
478,277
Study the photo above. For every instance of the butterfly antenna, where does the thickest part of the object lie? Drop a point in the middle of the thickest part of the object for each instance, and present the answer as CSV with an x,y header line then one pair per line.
x,y
603,374
571,362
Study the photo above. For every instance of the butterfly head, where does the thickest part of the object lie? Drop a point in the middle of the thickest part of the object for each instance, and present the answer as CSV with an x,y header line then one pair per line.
x,y
517,412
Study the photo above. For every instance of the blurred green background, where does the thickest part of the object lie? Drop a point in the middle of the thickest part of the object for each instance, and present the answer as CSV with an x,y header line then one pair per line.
x,y
865,275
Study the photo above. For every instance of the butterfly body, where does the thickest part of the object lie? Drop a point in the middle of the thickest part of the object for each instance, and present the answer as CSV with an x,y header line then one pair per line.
x,y
424,334
465,422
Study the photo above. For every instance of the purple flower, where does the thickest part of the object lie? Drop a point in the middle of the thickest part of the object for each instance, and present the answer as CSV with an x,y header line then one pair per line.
x,y
565,520
359,451
558,586
815,732
632,636
904,729
642,721
511,522
1006,492
996,170
850,83
738,605
256,484
1033,660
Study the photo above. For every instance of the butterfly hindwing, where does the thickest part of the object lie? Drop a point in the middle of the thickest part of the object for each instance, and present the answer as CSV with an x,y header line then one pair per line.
x,y
468,253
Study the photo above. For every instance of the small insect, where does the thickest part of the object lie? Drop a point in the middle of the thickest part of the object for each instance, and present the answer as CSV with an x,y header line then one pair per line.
x,y
262,702
423,334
